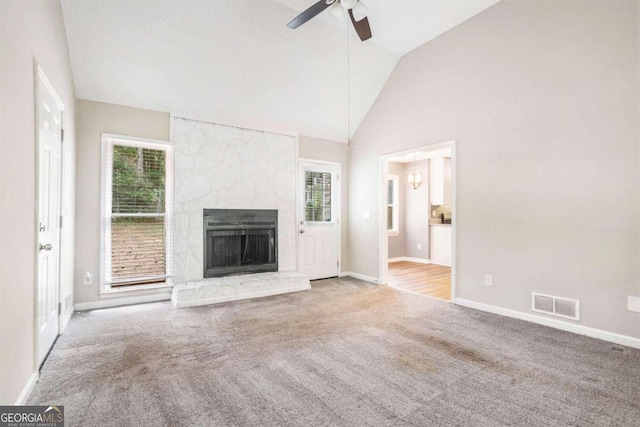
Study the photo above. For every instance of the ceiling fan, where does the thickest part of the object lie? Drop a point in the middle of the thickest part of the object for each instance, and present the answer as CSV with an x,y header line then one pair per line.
x,y
356,9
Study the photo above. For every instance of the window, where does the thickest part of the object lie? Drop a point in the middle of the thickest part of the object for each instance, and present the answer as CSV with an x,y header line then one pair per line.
x,y
317,196
393,213
136,208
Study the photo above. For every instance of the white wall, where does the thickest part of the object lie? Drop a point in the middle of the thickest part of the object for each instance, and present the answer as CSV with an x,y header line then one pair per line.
x,y
29,31
338,152
542,99
93,119
224,167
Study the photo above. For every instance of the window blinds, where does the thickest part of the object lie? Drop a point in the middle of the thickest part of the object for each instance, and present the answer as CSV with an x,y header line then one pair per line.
x,y
136,207
317,196
391,196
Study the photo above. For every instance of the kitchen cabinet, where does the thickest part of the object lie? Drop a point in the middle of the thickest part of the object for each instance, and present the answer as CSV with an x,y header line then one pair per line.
x,y
440,179
441,244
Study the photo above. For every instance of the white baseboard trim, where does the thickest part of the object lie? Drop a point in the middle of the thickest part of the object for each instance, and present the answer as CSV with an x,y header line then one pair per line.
x,y
66,319
28,388
228,298
358,276
442,265
116,302
553,323
406,258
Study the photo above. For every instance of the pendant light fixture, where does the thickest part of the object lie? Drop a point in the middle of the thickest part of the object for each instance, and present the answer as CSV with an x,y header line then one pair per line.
x,y
414,176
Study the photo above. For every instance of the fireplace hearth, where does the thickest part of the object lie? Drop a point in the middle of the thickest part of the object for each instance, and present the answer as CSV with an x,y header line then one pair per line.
x,y
240,241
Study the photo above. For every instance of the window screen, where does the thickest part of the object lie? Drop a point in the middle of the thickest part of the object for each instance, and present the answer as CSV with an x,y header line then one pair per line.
x,y
317,196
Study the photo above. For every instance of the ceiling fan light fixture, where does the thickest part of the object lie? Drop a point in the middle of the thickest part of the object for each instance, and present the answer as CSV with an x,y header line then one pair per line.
x,y
359,11
348,4
335,10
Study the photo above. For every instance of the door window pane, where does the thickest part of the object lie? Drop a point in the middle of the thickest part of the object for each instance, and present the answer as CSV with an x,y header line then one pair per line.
x,y
317,196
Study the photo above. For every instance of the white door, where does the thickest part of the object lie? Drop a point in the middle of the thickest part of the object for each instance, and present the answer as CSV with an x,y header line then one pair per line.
x,y
318,220
49,113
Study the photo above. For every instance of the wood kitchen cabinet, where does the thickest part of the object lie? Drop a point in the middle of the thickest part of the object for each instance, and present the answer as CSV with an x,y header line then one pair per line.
x,y
441,244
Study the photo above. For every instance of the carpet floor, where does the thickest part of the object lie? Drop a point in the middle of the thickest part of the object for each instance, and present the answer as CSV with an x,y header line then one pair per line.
x,y
345,353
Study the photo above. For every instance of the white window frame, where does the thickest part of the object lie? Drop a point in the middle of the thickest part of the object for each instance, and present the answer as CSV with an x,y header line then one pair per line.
x,y
108,141
395,227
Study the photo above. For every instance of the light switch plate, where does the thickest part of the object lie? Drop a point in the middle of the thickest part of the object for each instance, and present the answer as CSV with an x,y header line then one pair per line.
x,y
366,214
633,304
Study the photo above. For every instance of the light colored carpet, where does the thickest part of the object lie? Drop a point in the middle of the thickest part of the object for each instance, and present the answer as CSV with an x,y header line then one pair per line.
x,y
345,353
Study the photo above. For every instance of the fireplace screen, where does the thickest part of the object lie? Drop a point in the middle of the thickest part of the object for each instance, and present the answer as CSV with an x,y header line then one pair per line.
x,y
238,241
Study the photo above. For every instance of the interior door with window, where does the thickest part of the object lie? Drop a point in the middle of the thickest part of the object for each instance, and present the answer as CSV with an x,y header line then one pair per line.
x,y
319,222
49,112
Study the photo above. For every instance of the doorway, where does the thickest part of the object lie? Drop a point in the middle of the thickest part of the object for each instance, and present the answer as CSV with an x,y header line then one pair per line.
x,y
418,221
318,219
49,137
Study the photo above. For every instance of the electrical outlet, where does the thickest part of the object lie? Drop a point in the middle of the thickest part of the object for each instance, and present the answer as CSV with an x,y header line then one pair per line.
x,y
366,214
633,304
419,246
87,278
488,280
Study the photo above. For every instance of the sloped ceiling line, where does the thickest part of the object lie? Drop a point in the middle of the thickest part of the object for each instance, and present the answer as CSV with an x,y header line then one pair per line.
x,y
236,62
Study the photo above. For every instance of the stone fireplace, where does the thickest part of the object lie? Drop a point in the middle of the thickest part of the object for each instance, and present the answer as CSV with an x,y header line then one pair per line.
x,y
237,187
240,241
226,168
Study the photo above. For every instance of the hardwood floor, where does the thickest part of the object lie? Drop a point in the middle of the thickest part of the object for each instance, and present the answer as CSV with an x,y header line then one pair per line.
x,y
428,279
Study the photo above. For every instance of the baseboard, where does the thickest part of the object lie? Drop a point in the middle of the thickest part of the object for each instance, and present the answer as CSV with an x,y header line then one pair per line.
x,y
359,276
228,298
418,260
409,259
66,319
28,388
553,323
116,302
441,265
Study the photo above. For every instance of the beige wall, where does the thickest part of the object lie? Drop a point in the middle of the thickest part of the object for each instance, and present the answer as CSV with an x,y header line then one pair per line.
x,y
397,243
29,31
416,215
331,151
93,119
542,99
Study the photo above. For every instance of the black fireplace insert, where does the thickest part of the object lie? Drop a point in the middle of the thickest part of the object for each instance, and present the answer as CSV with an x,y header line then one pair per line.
x,y
240,241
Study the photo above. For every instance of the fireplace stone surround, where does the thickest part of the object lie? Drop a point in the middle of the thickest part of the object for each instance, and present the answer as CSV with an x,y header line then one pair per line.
x,y
225,167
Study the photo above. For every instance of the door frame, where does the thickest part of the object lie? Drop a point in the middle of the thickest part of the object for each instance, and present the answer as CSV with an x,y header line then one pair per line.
x,y
338,208
41,77
383,238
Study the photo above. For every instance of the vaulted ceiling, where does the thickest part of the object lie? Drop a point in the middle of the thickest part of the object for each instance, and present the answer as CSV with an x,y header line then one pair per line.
x,y
235,62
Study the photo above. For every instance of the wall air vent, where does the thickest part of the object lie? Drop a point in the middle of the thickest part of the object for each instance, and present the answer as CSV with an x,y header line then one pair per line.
x,y
555,306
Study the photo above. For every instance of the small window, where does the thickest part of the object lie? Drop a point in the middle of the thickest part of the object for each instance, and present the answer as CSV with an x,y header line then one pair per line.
x,y
393,223
136,204
317,196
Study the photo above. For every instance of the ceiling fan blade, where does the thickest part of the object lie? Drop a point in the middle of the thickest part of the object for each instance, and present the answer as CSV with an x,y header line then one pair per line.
x,y
362,27
309,13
